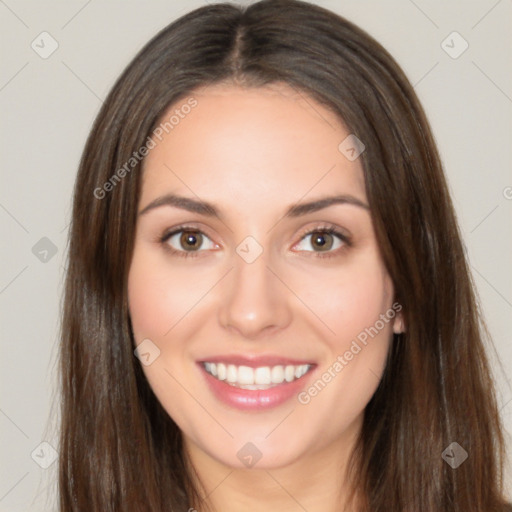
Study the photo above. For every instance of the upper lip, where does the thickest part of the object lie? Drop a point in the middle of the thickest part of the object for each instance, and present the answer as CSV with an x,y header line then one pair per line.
x,y
255,361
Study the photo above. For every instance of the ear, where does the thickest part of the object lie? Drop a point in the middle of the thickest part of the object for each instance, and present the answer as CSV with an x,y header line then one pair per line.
x,y
399,323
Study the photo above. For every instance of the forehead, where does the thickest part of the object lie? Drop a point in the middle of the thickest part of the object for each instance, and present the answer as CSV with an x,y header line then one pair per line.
x,y
251,147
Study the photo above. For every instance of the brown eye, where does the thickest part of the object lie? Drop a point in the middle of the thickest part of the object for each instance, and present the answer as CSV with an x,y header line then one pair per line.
x,y
191,240
322,241
326,240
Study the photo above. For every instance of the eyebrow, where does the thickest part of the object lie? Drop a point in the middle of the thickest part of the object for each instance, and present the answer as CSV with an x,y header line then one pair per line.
x,y
210,210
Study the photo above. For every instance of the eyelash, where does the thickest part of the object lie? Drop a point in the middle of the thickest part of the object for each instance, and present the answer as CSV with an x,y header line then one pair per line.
x,y
322,229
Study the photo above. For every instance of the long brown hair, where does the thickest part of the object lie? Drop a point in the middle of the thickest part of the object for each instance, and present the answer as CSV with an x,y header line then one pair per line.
x,y
119,449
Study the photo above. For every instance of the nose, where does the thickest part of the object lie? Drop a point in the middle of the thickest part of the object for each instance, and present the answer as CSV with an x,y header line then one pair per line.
x,y
254,301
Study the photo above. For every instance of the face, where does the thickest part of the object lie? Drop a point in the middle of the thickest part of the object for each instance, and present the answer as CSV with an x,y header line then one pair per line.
x,y
265,323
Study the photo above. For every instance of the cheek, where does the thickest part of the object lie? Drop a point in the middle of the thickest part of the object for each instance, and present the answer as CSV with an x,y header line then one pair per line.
x,y
351,299
149,301
158,295
352,303
158,299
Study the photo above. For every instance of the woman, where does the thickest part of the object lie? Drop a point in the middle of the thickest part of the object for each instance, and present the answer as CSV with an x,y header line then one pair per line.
x,y
268,304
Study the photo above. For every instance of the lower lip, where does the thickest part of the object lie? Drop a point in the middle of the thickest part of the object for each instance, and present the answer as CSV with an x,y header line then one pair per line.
x,y
254,399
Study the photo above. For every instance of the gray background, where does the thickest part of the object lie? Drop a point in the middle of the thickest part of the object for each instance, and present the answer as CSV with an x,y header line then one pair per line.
x,y
48,106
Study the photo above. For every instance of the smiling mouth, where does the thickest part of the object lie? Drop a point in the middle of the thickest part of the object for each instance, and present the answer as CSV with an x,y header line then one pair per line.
x,y
259,378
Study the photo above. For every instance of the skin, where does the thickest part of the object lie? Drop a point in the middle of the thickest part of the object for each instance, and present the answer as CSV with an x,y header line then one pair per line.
x,y
253,153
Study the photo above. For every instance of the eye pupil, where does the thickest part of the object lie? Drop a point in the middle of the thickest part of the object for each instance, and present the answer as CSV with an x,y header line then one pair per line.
x,y
191,239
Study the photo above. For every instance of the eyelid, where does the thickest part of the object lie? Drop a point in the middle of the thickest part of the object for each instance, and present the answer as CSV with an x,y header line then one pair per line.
x,y
326,227
182,227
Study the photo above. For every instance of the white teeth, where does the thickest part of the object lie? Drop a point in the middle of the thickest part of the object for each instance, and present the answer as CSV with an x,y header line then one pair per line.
x,y
289,373
262,377
245,375
232,374
277,374
221,371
